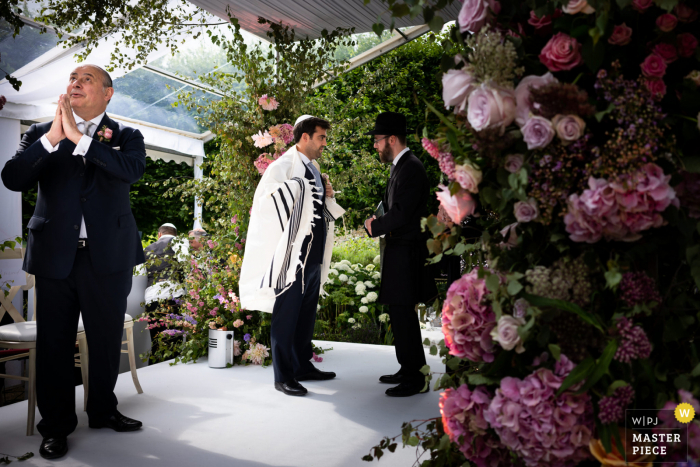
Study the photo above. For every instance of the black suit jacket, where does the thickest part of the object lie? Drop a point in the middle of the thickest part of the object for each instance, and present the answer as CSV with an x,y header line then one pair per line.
x,y
69,189
405,280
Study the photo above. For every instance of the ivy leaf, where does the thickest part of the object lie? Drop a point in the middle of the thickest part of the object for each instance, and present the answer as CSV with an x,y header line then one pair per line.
x,y
612,278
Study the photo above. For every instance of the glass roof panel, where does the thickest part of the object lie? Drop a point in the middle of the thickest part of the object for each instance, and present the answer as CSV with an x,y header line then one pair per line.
x,y
29,44
149,97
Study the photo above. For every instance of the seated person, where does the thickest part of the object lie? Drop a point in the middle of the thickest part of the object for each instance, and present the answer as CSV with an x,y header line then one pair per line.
x,y
162,258
197,239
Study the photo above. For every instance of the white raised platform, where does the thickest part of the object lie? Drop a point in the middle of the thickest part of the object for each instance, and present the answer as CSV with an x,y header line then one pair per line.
x,y
194,415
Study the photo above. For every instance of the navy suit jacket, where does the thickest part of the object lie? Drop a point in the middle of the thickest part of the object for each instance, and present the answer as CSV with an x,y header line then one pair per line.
x,y
69,190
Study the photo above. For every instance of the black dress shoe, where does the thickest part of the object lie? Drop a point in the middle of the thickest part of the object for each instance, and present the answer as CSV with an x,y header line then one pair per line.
x,y
392,379
407,389
117,422
316,375
291,388
53,448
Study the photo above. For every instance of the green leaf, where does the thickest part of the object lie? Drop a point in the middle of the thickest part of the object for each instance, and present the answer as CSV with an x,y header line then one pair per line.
x,y
682,382
492,282
444,442
425,369
514,287
612,278
413,441
616,384
542,302
378,29
433,350
442,118
667,5
399,10
696,371
453,363
578,374
601,366
599,115
623,3
555,350
480,380
593,53
436,23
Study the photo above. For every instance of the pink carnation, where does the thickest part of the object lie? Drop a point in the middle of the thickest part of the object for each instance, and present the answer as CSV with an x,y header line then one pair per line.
x,y
467,320
562,52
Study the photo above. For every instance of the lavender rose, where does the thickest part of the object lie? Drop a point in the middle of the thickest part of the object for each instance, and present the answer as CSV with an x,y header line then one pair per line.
x,y
506,333
468,177
491,107
526,211
537,132
569,128
475,13
456,87
578,6
514,162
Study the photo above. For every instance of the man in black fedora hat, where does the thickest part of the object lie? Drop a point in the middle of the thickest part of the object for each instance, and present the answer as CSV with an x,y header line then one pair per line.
x,y
404,280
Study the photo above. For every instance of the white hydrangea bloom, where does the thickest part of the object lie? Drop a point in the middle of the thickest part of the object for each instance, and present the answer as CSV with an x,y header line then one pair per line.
x,y
364,300
351,320
318,307
383,318
364,309
360,288
345,261
370,285
333,272
343,278
341,267
376,259
376,276
357,326
357,267
352,303
352,280
370,267
372,296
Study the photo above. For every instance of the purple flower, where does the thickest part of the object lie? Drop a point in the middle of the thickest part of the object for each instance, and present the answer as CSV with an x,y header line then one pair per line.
x,y
612,408
634,343
246,337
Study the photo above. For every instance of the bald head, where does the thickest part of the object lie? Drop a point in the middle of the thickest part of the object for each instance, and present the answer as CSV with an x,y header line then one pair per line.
x,y
90,90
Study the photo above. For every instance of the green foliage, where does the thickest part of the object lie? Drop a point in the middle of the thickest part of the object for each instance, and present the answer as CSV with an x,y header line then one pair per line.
x,y
356,249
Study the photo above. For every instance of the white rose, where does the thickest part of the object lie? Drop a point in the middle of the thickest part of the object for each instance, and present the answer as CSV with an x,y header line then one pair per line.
x,y
364,309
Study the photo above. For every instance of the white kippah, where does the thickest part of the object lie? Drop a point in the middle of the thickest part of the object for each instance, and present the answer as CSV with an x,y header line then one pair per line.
x,y
302,118
169,225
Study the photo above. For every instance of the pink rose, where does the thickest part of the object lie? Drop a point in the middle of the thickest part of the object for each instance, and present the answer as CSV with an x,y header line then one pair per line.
x,y
458,206
491,107
514,162
569,128
685,14
656,87
666,51
539,23
526,211
653,66
562,52
238,323
522,94
456,87
108,133
621,35
537,132
578,6
474,14
506,333
667,22
642,5
468,177
687,43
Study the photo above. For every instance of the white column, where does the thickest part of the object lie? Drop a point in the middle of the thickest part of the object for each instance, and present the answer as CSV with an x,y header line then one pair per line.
x,y
198,174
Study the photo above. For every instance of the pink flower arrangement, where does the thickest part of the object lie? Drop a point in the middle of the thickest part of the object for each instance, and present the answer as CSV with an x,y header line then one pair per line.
x,y
523,99
262,139
538,132
562,52
268,103
263,162
463,419
544,430
457,85
620,210
621,35
458,206
684,13
467,320
656,87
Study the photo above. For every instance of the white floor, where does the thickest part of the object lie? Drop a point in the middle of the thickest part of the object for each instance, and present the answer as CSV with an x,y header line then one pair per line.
x,y
194,415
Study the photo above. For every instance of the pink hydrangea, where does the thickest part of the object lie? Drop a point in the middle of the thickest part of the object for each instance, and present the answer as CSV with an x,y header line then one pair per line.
x,y
544,430
463,419
620,210
467,320
287,132
268,103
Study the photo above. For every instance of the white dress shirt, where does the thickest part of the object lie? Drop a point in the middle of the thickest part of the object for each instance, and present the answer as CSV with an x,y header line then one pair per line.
x,y
398,156
80,150
313,169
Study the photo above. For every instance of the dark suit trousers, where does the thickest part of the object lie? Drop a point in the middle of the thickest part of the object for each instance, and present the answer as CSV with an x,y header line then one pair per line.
x,y
293,320
407,340
102,301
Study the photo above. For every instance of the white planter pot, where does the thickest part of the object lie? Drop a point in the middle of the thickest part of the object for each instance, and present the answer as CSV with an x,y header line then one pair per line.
x,y
220,348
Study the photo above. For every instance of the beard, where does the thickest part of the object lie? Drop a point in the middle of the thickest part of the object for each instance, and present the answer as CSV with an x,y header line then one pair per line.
x,y
385,155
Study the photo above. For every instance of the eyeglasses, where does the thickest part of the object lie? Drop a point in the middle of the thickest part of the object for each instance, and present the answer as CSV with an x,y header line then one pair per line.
x,y
376,141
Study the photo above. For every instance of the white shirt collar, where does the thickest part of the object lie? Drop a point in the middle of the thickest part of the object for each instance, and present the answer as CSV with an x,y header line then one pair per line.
x,y
398,156
96,121
303,157
166,236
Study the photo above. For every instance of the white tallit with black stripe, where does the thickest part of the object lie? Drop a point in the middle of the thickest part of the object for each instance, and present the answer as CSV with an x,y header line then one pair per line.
x,y
281,217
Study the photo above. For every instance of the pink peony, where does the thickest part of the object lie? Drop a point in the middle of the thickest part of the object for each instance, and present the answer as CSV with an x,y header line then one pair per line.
x,y
666,51
642,5
656,87
685,14
526,211
468,177
462,413
475,14
653,66
506,333
578,6
268,103
491,107
537,132
467,320
569,128
457,85
513,163
562,52
458,206
621,35
667,22
522,95
687,43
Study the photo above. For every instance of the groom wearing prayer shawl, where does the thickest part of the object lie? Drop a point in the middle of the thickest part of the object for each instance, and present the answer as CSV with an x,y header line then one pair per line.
x,y
288,252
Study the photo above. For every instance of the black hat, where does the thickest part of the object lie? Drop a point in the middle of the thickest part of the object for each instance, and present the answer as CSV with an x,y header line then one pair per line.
x,y
389,123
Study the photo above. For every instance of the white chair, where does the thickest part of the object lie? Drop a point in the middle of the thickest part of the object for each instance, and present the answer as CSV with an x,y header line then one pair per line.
x,y
21,335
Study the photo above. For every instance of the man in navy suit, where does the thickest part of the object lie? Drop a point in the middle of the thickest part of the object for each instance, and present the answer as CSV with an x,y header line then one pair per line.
x,y
82,247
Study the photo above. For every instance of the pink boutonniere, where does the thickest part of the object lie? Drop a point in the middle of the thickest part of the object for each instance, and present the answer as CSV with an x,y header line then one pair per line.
x,y
105,134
